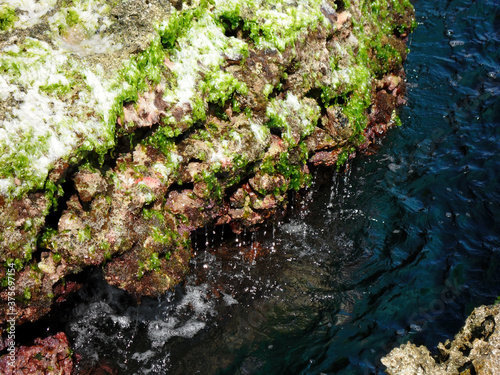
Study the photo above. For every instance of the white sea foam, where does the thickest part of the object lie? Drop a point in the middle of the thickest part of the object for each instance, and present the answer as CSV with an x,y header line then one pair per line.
x,y
198,307
160,331
229,299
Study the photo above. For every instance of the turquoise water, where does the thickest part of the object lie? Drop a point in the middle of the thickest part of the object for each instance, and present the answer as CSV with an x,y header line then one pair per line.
x,y
400,247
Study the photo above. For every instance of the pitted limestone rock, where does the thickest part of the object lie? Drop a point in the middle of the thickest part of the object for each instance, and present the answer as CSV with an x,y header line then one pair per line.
x,y
474,350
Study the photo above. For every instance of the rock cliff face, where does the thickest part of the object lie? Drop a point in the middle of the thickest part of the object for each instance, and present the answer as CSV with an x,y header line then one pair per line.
x,y
126,125
474,350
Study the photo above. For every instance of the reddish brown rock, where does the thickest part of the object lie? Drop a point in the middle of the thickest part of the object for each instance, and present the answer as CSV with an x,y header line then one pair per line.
x,y
337,124
51,356
327,158
88,184
145,113
133,208
264,183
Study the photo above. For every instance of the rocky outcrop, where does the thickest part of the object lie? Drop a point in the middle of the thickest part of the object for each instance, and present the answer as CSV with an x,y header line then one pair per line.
x,y
474,350
124,126
51,355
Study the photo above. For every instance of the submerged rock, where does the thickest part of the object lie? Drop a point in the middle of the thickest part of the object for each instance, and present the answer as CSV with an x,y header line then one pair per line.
x,y
474,350
124,126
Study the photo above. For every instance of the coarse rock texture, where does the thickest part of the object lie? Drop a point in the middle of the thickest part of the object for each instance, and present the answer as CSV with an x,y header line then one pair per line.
x,y
474,350
126,125
51,355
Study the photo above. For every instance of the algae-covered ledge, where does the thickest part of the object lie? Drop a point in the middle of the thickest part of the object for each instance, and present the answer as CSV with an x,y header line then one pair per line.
x,y
126,125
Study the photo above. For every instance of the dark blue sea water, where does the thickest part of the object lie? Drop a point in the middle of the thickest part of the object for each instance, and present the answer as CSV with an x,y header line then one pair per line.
x,y
399,248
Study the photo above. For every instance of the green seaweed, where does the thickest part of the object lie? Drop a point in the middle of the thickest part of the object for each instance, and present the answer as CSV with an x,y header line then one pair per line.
x,y
72,17
164,236
84,234
213,185
265,26
220,86
7,17
57,257
178,25
344,156
45,239
290,164
27,294
154,263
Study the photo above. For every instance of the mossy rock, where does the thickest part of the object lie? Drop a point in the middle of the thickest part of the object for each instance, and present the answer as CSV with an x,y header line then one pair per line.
x,y
126,125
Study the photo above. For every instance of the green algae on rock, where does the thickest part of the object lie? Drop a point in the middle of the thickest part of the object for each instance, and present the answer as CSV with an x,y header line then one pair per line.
x,y
126,125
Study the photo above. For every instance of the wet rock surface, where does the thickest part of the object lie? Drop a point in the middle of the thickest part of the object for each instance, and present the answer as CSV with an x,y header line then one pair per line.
x,y
51,355
158,121
474,350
